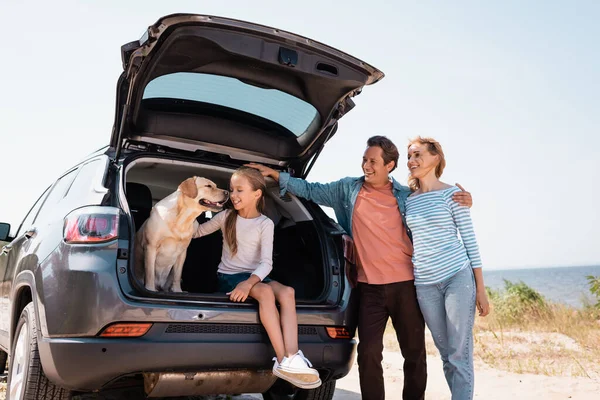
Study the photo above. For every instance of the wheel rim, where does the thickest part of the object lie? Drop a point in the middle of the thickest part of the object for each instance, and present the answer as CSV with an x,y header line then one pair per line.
x,y
17,374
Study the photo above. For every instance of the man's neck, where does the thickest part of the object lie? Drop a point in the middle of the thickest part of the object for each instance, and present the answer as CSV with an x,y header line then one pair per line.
x,y
377,185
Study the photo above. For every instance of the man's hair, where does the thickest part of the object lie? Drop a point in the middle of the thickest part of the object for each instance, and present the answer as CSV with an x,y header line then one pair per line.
x,y
388,148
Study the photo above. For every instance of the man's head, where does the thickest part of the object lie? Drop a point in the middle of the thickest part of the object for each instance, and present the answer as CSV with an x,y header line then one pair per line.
x,y
380,158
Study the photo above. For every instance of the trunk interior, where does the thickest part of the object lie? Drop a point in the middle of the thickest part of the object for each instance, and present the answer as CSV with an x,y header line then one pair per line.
x,y
297,250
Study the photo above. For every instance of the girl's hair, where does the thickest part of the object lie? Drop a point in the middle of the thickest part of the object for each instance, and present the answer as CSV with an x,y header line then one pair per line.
x,y
257,182
435,148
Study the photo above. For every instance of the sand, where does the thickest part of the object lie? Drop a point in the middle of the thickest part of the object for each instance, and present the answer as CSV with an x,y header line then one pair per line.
x,y
490,384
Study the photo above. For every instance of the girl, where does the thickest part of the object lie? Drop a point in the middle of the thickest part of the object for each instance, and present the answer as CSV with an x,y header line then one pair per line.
x,y
448,275
246,260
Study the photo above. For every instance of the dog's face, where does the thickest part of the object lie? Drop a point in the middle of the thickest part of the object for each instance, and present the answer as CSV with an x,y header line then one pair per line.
x,y
203,194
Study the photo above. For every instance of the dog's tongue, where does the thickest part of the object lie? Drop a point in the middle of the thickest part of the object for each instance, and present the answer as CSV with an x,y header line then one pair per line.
x,y
210,203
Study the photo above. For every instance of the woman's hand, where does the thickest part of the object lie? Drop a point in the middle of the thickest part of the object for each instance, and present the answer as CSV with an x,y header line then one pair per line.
x,y
264,170
241,292
481,300
463,197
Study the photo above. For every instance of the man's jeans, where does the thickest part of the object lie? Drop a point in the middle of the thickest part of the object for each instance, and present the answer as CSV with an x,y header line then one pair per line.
x,y
377,303
449,311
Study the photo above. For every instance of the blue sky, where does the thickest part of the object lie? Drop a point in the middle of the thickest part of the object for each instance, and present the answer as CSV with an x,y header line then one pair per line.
x,y
511,89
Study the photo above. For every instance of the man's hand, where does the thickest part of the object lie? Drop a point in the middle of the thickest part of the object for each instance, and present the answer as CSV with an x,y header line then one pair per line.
x,y
463,198
241,291
264,170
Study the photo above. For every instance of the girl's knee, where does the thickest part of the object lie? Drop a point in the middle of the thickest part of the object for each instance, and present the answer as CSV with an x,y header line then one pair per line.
x,y
287,294
262,292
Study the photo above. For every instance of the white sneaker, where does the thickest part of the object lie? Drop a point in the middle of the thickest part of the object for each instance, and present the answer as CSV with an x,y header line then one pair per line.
x,y
297,370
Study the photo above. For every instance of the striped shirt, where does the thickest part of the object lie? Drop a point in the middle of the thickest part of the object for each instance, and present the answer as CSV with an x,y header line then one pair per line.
x,y
436,221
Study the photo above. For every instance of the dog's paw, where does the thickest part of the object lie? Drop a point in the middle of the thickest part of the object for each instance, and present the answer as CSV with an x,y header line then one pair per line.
x,y
151,288
176,289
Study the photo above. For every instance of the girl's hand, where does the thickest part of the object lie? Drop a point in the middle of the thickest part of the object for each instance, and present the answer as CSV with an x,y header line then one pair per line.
x,y
264,170
241,292
482,303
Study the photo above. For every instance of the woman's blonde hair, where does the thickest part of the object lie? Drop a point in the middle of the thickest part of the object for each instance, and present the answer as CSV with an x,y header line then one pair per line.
x,y
257,182
435,148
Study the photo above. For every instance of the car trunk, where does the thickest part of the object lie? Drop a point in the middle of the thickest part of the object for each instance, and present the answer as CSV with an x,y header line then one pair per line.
x,y
299,249
202,83
210,94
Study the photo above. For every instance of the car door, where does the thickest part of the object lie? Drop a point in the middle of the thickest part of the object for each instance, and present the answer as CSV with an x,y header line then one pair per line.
x,y
7,260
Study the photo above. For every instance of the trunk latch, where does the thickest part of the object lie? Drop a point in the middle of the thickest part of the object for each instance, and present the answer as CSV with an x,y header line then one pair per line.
x,y
288,57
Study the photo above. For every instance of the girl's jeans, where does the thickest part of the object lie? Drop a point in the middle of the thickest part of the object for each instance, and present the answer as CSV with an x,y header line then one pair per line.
x,y
449,311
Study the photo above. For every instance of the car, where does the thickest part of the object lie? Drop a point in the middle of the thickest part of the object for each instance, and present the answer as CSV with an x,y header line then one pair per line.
x,y
199,96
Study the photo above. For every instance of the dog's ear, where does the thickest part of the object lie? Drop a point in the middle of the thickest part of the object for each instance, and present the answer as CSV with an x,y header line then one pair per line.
x,y
188,187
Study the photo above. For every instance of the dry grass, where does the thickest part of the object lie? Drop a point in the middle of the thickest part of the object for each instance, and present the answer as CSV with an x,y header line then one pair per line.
x,y
536,337
560,341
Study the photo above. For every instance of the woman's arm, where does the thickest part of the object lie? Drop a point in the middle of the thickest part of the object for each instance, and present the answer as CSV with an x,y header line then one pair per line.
x,y
464,224
482,302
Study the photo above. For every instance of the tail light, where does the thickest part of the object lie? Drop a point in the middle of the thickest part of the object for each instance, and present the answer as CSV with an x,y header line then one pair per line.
x,y
338,333
126,330
95,224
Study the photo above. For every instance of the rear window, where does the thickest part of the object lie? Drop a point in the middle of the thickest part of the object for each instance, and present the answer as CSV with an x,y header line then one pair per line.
x,y
294,114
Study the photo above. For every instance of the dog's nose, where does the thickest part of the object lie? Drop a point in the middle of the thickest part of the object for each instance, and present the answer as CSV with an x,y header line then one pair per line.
x,y
226,193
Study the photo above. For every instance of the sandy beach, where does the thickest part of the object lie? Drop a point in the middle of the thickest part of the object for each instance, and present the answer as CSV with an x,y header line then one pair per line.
x,y
491,384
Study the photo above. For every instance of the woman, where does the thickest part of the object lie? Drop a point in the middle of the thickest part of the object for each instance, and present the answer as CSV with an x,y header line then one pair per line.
x,y
448,276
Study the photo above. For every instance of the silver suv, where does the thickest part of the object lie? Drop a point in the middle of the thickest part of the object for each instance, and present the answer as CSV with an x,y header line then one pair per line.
x,y
201,96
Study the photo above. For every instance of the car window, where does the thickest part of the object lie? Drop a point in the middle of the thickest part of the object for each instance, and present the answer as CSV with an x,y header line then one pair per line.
x,y
57,193
30,217
294,114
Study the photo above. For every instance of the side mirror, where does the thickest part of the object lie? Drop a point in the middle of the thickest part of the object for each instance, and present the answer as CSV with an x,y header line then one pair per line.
x,y
4,231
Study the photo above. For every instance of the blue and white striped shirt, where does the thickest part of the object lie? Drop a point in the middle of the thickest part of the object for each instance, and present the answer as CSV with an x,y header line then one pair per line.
x,y
436,221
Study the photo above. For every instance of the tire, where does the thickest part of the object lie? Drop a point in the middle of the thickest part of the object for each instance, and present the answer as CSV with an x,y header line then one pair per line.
x,y
3,359
26,379
323,392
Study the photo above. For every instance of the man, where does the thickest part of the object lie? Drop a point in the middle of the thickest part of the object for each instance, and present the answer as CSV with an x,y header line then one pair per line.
x,y
371,209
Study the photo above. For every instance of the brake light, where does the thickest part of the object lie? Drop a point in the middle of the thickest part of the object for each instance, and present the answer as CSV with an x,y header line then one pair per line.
x,y
95,224
338,333
126,330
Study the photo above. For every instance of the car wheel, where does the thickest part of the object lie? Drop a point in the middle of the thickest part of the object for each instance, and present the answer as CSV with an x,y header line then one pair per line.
x,y
3,359
323,392
26,379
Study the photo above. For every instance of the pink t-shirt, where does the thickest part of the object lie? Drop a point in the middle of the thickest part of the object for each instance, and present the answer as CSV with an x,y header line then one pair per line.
x,y
383,247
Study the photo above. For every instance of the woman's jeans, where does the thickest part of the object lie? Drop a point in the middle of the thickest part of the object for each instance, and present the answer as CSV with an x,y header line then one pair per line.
x,y
449,311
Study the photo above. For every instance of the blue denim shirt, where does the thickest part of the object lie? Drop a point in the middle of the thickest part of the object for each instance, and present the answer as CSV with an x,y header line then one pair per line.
x,y
340,195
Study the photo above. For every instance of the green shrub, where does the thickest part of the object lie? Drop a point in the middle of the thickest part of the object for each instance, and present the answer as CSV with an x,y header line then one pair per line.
x,y
594,282
517,302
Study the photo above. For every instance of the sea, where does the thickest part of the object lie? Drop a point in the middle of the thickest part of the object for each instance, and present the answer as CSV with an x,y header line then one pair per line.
x,y
567,285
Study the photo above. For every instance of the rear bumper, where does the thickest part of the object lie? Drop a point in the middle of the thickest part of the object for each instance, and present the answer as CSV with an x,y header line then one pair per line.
x,y
93,363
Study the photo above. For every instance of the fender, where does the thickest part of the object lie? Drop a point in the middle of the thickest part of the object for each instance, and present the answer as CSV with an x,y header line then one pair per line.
x,y
25,279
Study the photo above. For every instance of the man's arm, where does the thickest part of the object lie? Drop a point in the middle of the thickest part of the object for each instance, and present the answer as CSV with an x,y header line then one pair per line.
x,y
325,194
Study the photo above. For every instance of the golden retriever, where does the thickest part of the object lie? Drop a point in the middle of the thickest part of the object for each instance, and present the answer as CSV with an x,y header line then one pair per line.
x,y
162,241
